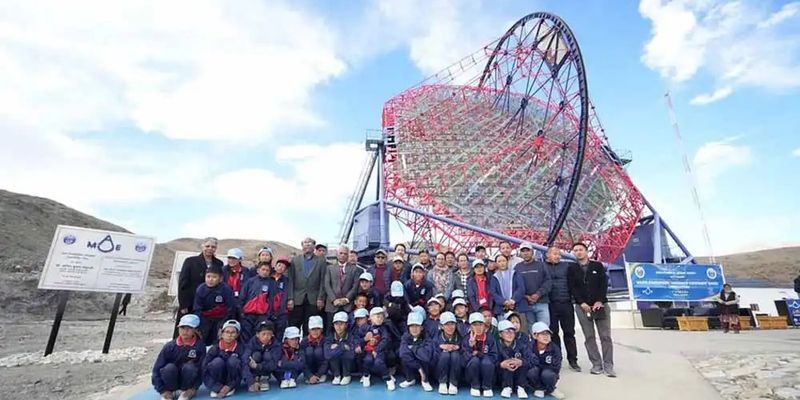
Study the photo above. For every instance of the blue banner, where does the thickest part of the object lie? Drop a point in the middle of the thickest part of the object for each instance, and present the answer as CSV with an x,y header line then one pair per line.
x,y
674,282
794,311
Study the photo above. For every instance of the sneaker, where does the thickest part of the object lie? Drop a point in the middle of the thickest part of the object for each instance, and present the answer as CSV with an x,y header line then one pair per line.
x,y
506,392
597,370
345,381
390,384
292,383
426,386
214,395
521,393
230,393
557,394
183,397
284,384
336,380
538,394
186,395
488,393
405,384
452,390
610,373
574,366
365,381
442,388
475,392
167,396
264,385
323,378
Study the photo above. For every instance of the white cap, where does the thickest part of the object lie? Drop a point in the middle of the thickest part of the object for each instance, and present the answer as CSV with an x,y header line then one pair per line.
x,y
505,325
366,276
418,265
459,301
447,317
414,319
190,320
361,313
539,327
396,289
526,245
235,253
458,293
291,332
398,258
434,300
477,262
419,310
475,317
380,251
494,321
232,323
315,322
376,311
340,316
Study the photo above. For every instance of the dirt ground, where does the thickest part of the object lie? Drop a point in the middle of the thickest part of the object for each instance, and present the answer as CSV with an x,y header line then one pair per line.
x,y
81,380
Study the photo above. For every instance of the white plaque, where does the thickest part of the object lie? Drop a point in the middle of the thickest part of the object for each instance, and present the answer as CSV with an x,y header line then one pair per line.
x,y
177,265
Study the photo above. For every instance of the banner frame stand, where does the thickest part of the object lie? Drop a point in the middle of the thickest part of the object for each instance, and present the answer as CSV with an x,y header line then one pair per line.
x,y
62,306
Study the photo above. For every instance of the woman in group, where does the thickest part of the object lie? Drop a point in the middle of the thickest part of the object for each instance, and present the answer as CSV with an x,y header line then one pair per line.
x,y
728,302
441,276
462,273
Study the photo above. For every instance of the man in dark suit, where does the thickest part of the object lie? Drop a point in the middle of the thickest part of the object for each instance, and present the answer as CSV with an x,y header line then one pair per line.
x,y
341,283
307,275
193,274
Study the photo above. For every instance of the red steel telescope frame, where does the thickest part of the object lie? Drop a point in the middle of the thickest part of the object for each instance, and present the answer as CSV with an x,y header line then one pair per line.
x,y
506,139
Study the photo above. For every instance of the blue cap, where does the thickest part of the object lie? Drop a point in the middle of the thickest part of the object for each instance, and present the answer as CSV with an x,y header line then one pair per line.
x,y
419,310
235,253
396,289
414,319
539,327
190,320
458,293
447,317
361,313
505,325
291,332
231,323
340,316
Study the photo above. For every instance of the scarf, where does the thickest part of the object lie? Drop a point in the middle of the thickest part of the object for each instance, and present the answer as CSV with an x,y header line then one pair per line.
x,y
506,280
483,295
440,278
231,349
312,341
289,352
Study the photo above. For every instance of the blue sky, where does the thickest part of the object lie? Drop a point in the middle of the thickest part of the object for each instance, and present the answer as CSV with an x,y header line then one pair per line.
x,y
247,119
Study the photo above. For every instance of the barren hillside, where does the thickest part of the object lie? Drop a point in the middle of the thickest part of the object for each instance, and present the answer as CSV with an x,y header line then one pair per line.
x,y
779,266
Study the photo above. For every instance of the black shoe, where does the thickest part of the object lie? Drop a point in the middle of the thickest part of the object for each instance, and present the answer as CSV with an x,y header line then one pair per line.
x,y
575,367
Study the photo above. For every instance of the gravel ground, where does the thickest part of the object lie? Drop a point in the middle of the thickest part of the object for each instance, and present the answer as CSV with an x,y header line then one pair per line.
x,y
75,370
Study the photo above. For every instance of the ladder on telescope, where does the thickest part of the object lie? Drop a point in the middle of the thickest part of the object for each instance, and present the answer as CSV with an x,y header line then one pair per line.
x,y
356,198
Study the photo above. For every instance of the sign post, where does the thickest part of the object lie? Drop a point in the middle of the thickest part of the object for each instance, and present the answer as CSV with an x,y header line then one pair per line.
x,y
793,306
674,282
92,260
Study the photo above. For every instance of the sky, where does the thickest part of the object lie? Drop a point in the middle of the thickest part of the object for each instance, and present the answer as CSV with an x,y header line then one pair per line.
x,y
247,119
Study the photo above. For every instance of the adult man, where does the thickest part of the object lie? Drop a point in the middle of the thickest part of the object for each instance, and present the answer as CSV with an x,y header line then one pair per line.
x,y
480,254
561,311
425,260
398,271
400,251
352,258
450,260
535,278
505,249
307,275
588,286
341,283
193,274
321,250
797,285
380,272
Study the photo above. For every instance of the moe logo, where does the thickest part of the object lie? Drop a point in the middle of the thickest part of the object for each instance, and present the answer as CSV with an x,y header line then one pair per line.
x,y
711,273
104,246
69,239
141,247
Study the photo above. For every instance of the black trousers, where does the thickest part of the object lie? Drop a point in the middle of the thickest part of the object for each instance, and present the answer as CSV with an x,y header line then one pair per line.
x,y
563,314
299,316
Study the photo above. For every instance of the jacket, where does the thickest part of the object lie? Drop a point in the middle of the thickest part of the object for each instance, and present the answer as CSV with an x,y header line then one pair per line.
x,y
386,275
384,336
535,278
280,294
493,292
270,354
213,352
487,349
559,275
214,303
517,349
440,339
449,283
333,283
255,294
244,275
457,280
418,295
193,274
397,308
307,289
430,326
346,344
549,359
178,353
291,361
590,287
416,348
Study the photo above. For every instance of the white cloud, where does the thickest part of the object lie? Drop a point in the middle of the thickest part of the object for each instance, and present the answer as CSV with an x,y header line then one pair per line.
x,y
714,159
740,44
206,70
708,98
796,152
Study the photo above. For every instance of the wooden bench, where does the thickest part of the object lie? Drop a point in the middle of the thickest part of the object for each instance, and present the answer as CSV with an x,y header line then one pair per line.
x,y
772,322
693,323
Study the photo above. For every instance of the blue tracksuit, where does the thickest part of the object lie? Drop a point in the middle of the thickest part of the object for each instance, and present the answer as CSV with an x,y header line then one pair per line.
x,y
314,356
291,363
415,353
214,305
462,326
244,275
430,326
480,360
266,357
545,367
418,294
340,359
448,363
178,366
374,298
225,368
397,310
281,292
376,364
254,304
520,350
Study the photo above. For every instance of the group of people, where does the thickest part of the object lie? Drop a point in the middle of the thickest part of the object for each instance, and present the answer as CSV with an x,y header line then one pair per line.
x,y
495,320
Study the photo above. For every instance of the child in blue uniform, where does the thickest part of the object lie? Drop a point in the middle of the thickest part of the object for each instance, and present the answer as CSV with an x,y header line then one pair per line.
x,y
418,290
460,310
281,294
225,364
415,354
431,323
254,300
457,294
396,307
544,372
291,364
365,288
479,352
340,350
515,319
375,345
178,364
515,360
213,303
262,355
313,348
446,348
